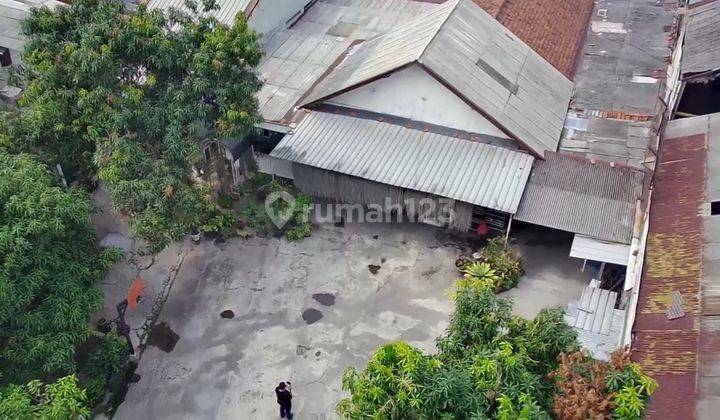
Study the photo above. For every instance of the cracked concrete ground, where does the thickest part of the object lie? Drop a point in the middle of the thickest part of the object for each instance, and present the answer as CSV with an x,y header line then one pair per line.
x,y
228,368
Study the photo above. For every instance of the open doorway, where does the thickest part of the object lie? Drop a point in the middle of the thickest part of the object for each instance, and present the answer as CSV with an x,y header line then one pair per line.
x,y
699,97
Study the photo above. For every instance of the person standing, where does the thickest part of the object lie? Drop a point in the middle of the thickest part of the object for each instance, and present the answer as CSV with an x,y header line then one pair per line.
x,y
284,398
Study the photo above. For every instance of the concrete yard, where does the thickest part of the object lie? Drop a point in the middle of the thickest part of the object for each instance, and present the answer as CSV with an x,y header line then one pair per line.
x,y
228,368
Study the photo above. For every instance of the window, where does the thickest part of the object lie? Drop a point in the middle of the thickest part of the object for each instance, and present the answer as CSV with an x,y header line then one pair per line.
x,y
715,208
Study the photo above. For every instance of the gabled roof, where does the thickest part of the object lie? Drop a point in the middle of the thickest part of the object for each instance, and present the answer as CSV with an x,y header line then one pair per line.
x,y
478,59
447,164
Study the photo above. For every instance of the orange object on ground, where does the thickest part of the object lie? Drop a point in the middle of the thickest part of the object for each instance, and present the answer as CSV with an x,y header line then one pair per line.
x,y
136,289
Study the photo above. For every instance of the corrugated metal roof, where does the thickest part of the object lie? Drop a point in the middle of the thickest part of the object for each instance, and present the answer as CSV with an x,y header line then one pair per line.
x,y
593,249
225,14
573,194
596,321
446,166
294,59
476,57
701,50
382,54
668,349
683,255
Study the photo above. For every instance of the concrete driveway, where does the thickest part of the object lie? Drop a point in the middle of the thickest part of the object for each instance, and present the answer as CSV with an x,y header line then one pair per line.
x,y
370,284
228,368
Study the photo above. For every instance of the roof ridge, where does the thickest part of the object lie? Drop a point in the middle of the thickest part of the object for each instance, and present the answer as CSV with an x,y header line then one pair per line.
x,y
443,11
439,28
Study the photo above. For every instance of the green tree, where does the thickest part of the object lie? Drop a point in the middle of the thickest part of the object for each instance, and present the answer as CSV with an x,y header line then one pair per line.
x,y
49,264
60,400
132,97
489,365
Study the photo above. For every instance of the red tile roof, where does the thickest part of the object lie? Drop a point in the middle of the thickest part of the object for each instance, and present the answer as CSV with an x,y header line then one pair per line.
x,y
668,350
555,29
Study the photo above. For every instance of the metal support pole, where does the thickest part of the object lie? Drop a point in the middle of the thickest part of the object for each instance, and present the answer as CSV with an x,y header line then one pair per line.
x,y
507,233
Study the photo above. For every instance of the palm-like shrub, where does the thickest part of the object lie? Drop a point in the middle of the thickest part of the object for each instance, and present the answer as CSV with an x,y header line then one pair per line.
x,y
478,276
506,264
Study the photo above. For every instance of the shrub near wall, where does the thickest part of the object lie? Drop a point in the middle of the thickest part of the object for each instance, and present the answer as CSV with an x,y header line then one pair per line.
x,y
488,366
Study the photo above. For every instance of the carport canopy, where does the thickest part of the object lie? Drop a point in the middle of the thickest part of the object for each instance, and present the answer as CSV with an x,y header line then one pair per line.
x,y
588,248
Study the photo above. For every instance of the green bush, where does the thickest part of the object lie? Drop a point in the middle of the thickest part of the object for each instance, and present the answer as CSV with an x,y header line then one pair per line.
x,y
256,218
225,201
506,265
298,232
484,367
35,400
478,276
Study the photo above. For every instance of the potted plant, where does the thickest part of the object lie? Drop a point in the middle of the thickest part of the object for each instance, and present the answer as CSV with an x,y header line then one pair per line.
x,y
195,235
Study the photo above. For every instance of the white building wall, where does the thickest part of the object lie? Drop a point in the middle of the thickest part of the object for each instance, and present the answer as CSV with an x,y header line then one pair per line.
x,y
272,14
413,93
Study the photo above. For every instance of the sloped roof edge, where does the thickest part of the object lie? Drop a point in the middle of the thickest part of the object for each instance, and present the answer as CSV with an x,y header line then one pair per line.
x,y
510,84
424,28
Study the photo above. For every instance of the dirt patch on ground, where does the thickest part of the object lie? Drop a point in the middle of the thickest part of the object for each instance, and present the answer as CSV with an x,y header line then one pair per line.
x,y
163,337
311,315
325,299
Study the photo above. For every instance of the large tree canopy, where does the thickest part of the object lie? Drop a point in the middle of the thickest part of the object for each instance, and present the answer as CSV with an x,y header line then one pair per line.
x,y
49,264
132,97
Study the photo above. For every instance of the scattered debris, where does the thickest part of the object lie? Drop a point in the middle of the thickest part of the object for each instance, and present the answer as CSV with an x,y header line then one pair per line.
x,y
375,236
676,310
430,272
311,315
374,268
325,299
227,314
301,350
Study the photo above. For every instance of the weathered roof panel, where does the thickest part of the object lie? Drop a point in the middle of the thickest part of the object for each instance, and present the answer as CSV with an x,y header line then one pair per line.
x,y
536,23
296,58
479,60
382,54
226,13
593,249
465,170
701,50
668,349
573,194
683,256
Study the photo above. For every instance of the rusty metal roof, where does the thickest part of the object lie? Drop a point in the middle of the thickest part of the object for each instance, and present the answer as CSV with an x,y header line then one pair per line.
x,y
668,349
